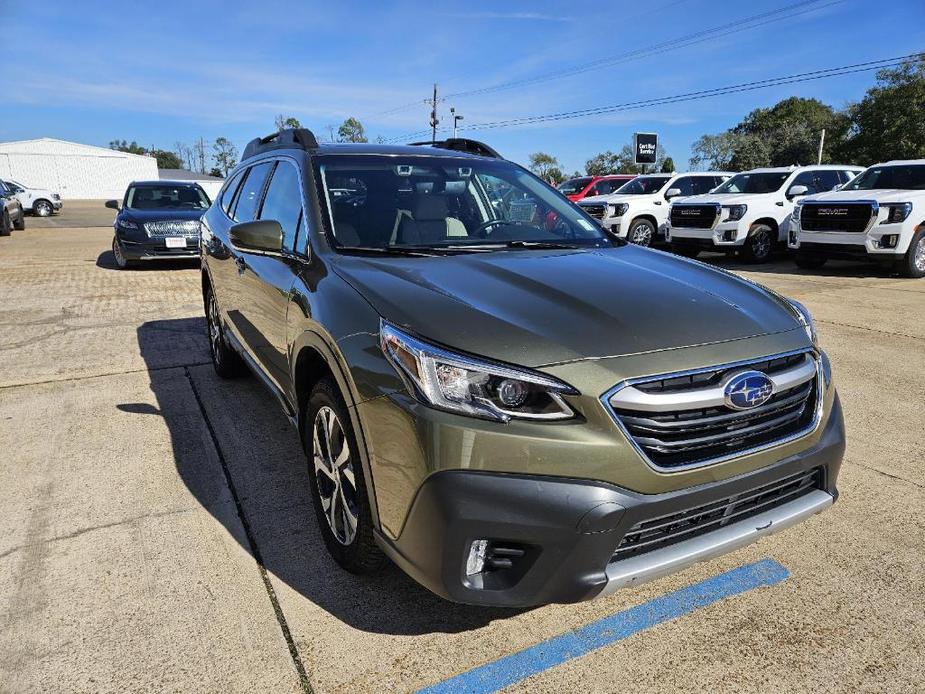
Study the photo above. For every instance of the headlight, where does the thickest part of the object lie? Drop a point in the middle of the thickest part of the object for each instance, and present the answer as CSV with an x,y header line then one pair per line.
x,y
798,208
127,224
735,212
897,213
806,318
618,209
464,385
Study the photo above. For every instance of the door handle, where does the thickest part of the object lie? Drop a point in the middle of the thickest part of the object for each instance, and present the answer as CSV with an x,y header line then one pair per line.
x,y
241,263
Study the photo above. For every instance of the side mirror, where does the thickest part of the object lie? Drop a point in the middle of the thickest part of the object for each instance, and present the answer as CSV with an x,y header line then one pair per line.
x,y
796,190
263,236
672,193
112,204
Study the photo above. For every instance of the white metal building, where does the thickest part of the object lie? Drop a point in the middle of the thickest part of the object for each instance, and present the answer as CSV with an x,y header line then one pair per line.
x,y
74,170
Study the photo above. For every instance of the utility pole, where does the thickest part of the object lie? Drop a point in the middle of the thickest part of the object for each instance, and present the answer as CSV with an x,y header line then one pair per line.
x,y
433,116
821,143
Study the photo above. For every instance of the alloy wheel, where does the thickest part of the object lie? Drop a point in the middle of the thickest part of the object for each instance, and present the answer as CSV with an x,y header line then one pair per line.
x,y
761,245
42,209
918,256
334,475
215,330
642,235
117,252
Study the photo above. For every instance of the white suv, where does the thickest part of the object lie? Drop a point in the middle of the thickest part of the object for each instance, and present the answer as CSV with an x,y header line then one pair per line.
x,y
750,212
879,215
38,201
638,210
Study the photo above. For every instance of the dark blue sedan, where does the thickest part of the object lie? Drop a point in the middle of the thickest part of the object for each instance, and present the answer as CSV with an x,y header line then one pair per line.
x,y
158,220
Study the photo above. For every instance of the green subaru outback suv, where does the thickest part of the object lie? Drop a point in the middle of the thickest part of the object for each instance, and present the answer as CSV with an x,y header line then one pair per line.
x,y
508,403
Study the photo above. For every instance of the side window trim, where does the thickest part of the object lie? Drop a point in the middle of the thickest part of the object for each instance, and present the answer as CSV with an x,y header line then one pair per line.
x,y
296,250
233,208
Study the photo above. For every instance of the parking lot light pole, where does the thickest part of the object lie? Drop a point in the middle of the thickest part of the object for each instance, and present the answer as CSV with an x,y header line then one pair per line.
x,y
456,120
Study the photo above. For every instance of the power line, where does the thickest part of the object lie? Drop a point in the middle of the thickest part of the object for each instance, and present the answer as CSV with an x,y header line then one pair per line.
x,y
693,96
752,22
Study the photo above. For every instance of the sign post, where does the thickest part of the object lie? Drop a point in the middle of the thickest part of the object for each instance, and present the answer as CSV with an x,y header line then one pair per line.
x,y
645,147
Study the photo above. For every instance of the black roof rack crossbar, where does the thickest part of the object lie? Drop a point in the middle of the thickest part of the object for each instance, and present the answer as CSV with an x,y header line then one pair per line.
x,y
461,144
290,138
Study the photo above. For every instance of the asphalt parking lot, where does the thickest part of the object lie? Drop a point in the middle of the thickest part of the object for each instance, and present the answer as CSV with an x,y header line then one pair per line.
x,y
157,533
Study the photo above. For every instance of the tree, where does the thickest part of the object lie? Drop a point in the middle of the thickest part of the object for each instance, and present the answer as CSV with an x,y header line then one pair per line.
x,y
543,164
351,130
714,151
888,122
667,165
131,148
166,160
199,155
185,153
282,122
225,155
217,172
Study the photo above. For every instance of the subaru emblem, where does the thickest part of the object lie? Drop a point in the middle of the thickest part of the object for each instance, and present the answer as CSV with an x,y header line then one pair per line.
x,y
747,389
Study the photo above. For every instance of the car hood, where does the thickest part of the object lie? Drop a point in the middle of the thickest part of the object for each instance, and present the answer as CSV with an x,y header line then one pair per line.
x,y
142,216
723,198
615,197
882,196
537,308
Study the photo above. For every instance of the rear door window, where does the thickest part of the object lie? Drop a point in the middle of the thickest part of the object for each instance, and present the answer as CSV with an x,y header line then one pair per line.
x,y
245,208
283,201
685,184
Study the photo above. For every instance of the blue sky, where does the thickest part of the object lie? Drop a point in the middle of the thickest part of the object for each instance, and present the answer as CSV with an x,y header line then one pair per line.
x,y
171,71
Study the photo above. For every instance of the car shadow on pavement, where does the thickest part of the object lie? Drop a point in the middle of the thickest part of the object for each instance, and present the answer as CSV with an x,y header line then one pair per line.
x,y
107,261
259,451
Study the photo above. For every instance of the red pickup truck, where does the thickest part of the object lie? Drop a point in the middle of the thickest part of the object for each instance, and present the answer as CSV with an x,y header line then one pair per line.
x,y
585,186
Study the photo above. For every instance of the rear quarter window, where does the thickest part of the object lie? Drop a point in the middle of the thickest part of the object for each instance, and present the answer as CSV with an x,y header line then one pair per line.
x,y
227,196
245,209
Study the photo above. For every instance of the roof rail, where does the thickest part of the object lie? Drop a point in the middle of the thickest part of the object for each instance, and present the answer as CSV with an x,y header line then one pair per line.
x,y
461,144
289,138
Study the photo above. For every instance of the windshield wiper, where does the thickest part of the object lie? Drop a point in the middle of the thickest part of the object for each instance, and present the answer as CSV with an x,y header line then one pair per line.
x,y
542,245
415,251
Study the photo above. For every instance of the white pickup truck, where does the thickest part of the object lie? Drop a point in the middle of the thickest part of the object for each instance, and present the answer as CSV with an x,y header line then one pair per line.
x,y
749,213
638,210
879,215
38,201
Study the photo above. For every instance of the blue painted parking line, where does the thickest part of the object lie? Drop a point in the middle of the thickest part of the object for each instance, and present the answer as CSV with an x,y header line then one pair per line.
x,y
504,672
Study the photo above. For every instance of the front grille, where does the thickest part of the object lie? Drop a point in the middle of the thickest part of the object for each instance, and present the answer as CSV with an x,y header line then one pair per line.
x,y
691,216
681,421
852,217
189,227
656,533
595,210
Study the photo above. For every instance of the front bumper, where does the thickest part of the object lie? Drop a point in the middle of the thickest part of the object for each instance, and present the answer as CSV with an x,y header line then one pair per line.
x,y
723,235
888,241
567,530
156,249
57,204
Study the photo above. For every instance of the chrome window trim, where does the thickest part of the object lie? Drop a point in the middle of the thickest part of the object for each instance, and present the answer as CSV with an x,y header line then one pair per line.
x,y
806,431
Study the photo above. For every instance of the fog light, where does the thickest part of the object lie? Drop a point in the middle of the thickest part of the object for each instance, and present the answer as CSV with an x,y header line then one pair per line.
x,y
729,235
889,241
475,562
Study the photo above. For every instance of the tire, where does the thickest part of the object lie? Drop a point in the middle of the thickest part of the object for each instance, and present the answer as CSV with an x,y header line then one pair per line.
x,y
122,262
226,362
5,227
759,245
685,250
641,232
42,208
913,263
809,261
20,224
335,499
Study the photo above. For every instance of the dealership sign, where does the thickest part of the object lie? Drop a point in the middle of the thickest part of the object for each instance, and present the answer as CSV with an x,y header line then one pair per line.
x,y
644,147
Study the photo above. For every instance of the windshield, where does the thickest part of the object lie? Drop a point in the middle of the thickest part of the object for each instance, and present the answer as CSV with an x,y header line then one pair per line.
x,y
909,177
166,197
574,185
440,202
643,185
769,182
